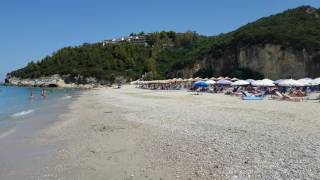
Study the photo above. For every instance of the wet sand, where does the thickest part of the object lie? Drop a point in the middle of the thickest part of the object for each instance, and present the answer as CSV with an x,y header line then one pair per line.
x,y
131,133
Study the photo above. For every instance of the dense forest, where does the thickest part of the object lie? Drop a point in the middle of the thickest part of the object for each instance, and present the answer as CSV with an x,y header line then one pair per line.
x,y
167,52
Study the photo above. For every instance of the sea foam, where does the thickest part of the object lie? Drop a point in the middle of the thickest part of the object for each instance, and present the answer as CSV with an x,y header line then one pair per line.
x,y
67,97
7,133
22,113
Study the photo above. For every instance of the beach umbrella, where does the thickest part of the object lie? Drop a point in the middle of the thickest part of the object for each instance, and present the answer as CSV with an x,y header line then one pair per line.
x,y
268,80
213,78
306,81
190,79
234,79
290,83
240,83
250,81
170,81
224,82
200,84
136,82
263,83
179,80
316,81
133,82
210,82
278,81
220,78
227,78
198,79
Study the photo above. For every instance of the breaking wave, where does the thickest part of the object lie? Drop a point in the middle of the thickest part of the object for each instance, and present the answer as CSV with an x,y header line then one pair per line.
x,y
22,113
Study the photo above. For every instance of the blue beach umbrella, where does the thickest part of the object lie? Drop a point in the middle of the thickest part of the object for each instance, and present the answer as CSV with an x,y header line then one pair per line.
x,y
200,84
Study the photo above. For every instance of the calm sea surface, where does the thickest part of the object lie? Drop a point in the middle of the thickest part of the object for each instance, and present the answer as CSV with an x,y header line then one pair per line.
x,y
16,103
22,119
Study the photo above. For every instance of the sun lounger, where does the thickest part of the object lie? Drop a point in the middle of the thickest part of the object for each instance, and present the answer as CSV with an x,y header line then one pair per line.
x,y
289,98
277,95
282,96
236,94
252,97
245,93
248,96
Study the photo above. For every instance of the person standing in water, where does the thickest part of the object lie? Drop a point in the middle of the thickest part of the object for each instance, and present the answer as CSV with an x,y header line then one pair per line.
x,y
43,93
31,94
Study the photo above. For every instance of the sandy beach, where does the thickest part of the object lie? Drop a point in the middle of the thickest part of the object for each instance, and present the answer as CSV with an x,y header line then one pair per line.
x,y
130,133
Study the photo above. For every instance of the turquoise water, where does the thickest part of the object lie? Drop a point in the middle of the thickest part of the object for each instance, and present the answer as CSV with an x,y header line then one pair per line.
x,y
16,104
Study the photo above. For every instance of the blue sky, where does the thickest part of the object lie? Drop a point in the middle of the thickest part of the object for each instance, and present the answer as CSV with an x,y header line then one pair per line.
x,y
32,29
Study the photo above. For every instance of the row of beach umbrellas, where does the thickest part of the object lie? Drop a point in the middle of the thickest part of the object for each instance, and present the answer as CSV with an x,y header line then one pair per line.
x,y
199,82
180,80
262,83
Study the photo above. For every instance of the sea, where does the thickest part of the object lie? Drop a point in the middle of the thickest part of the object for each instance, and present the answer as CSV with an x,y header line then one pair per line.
x,y
17,104
22,119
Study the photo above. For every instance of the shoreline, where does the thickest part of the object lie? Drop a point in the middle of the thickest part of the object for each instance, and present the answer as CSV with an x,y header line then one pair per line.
x,y
130,133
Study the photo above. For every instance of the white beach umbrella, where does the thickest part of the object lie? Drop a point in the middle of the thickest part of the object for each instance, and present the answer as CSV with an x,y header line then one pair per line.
x,y
316,81
305,81
240,83
290,83
234,79
198,79
134,82
220,78
263,83
251,81
179,80
191,79
268,80
278,81
210,82
224,82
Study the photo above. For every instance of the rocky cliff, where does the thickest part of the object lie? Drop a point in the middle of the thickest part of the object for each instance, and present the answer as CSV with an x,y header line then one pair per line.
x,y
269,60
277,61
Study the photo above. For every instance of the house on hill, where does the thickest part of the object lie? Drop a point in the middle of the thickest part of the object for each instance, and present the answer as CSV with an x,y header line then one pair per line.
x,y
139,39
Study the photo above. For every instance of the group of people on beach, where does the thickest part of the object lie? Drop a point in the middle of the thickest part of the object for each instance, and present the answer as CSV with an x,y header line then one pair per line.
x,y
244,88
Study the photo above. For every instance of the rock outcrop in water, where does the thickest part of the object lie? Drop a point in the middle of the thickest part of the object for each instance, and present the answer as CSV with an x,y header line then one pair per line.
x,y
52,81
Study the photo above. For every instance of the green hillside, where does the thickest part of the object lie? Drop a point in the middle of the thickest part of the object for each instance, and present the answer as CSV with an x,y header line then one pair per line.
x,y
168,52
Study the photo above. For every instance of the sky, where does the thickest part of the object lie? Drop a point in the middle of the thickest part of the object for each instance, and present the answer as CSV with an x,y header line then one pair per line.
x,y
33,29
